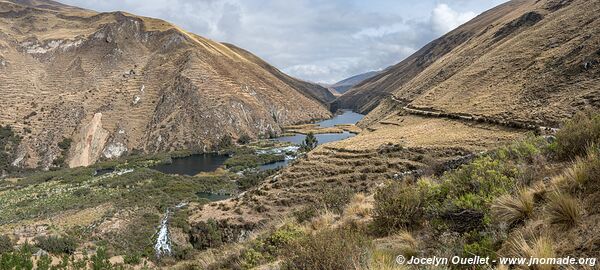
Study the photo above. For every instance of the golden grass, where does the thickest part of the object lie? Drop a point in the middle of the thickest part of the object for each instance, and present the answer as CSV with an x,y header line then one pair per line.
x,y
358,210
401,243
583,170
532,247
324,221
563,209
511,209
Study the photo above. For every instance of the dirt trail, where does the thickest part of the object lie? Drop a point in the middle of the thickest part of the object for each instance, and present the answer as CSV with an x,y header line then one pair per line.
x,y
473,118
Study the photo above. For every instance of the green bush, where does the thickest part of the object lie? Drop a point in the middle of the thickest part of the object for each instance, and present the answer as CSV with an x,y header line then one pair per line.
x,y
18,259
244,139
225,143
44,263
6,245
329,250
251,179
267,247
64,146
132,259
309,143
397,206
9,141
305,213
57,244
100,260
476,185
577,135
336,199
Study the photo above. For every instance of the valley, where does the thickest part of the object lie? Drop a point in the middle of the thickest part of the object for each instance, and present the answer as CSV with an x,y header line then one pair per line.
x,y
129,143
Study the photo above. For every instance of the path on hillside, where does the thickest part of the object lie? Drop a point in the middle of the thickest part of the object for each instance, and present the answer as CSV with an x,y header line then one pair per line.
x,y
473,118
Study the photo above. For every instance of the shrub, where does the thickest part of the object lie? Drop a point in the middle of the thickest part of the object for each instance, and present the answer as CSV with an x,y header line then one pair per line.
x,y
476,185
336,199
267,247
9,141
64,147
305,213
100,260
6,244
577,134
244,139
132,259
44,263
18,259
57,244
397,206
564,210
309,143
512,209
226,142
329,249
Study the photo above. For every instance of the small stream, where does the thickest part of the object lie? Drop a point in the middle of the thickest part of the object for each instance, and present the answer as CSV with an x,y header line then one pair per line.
x,y
163,246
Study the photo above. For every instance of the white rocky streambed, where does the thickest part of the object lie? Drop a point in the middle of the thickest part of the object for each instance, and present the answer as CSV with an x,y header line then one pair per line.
x,y
163,246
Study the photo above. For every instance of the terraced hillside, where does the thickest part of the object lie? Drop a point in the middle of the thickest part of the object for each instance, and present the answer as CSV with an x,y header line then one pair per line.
x,y
114,83
521,67
395,148
526,60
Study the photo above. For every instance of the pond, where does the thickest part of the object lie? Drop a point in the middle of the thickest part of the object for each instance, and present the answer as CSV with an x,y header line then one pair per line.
x,y
346,117
192,165
195,164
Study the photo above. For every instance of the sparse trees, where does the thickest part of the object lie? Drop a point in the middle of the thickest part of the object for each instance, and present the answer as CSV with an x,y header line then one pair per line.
x,y
309,143
244,139
225,143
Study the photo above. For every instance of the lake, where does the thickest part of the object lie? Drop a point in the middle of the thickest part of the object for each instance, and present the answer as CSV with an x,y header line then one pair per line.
x,y
192,165
347,117
195,164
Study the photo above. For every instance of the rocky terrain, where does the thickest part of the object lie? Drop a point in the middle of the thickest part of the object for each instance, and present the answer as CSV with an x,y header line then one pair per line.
x,y
482,143
107,84
523,60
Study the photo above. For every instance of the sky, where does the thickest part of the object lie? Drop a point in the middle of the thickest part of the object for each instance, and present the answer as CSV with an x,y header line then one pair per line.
x,y
316,40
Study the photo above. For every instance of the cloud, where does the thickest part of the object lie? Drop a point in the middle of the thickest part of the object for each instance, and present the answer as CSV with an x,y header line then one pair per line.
x,y
444,19
320,41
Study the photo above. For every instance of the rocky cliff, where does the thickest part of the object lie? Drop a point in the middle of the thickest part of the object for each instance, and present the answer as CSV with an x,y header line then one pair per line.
x,y
116,83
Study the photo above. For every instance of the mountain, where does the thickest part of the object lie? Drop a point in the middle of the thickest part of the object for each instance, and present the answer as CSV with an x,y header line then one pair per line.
x,y
116,83
523,60
526,64
344,85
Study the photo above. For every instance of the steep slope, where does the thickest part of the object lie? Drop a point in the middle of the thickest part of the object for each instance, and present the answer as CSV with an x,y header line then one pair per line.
x,y
345,85
117,83
525,61
310,89
499,58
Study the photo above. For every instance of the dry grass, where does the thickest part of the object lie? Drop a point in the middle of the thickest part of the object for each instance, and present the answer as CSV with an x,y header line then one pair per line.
x,y
358,211
386,249
323,221
521,245
584,170
512,209
563,209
